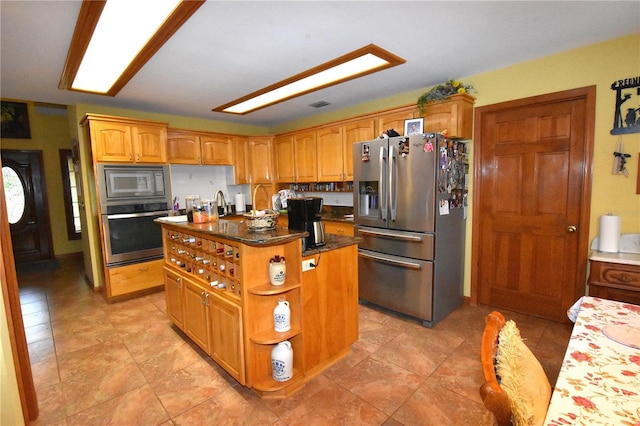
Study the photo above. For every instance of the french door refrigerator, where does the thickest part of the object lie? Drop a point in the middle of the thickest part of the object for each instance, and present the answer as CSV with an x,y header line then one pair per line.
x,y
409,211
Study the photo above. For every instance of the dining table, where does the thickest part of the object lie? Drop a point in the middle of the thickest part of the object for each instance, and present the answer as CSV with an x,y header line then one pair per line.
x,y
599,380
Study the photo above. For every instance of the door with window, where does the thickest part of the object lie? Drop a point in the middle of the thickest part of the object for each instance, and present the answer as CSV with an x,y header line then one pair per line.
x,y
27,208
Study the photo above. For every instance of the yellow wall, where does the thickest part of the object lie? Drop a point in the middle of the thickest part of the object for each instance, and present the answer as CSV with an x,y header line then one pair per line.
x,y
10,407
50,133
600,65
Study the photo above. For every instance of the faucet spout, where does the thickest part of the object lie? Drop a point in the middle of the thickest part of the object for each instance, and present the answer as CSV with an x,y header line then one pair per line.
x,y
221,206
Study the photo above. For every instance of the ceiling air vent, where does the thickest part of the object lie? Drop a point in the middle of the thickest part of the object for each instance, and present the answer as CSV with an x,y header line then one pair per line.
x,y
320,104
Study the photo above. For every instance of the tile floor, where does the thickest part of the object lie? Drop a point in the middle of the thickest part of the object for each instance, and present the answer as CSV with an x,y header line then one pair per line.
x,y
125,364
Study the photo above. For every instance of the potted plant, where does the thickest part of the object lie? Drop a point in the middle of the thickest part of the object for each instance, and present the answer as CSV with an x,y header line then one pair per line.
x,y
442,92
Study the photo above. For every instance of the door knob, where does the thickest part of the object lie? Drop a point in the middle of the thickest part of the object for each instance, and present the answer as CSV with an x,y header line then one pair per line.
x,y
571,228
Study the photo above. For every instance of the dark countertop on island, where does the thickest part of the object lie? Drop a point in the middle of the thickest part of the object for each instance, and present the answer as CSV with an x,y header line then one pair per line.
x,y
237,231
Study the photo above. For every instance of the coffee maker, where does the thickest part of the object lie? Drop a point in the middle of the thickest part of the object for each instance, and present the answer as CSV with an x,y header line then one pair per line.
x,y
304,215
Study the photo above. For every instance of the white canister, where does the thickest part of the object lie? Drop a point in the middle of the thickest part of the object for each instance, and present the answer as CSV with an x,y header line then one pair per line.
x,y
277,270
282,316
282,361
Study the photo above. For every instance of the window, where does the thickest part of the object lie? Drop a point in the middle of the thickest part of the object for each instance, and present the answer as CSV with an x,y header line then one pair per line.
x,y
70,187
14,194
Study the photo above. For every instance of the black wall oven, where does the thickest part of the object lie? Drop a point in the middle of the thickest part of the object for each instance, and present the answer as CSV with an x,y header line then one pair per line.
x,y
131,198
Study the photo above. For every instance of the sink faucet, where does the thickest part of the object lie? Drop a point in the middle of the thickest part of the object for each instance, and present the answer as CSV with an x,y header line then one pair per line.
x,y
221,207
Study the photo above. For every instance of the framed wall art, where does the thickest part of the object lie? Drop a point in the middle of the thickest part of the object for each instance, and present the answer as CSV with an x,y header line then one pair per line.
x,y
413,126
15,121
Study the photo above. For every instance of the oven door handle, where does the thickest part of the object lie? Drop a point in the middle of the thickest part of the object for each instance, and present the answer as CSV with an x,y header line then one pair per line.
x,y
130,215
409,265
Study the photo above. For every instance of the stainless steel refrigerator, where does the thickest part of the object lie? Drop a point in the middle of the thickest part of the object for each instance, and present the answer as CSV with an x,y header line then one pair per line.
x,y
409,210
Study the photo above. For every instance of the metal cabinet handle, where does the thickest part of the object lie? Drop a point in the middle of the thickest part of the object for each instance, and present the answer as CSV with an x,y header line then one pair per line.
x,y
571,229
392,236
410,265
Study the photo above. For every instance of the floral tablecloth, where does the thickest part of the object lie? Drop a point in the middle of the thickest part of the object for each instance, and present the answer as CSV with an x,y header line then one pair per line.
x,y
599,382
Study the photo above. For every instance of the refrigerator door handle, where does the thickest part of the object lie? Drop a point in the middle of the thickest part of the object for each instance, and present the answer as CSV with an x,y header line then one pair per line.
x,y
383,183
413,238
393,182
409,265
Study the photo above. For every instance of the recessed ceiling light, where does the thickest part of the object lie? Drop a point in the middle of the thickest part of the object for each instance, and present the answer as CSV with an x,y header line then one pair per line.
x,y
358,63
113,39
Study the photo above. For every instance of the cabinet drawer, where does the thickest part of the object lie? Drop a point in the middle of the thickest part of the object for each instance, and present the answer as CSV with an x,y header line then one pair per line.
x,y
131,278
339,228
616,275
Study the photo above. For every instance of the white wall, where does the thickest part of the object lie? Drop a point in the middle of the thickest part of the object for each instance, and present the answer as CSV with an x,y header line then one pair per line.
x,y
205,181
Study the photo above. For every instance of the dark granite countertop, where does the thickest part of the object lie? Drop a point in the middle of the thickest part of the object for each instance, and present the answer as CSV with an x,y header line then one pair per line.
x,y
332,242
236,231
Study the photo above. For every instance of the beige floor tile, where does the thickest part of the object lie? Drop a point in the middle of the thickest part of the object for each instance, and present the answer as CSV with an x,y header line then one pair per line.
x,y
124,363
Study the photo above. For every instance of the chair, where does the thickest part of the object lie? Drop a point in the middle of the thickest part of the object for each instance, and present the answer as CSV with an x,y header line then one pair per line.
x,y
516,388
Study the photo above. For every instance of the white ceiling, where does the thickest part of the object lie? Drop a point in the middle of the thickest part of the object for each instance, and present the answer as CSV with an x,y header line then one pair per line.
x,y
231,48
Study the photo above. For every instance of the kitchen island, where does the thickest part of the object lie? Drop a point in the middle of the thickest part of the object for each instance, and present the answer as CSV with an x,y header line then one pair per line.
x,y
218,292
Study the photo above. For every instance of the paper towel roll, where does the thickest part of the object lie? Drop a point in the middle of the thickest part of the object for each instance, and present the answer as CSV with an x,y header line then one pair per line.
x,y
240,204
609,239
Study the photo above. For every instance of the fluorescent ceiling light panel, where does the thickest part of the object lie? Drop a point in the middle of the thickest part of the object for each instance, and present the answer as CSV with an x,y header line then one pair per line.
x,y
113,39
361,62
124,28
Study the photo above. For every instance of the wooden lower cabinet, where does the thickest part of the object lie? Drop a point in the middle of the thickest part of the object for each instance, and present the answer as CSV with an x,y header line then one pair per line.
x,y
617,281
126,280
225,336
196,321
338,228
233,322
173,292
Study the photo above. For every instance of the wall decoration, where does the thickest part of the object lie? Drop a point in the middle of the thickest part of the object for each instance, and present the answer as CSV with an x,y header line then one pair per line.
x,y
15,121
413,126
628,93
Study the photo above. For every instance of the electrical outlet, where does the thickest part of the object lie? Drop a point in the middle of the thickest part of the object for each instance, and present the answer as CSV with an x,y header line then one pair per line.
x,y
308,265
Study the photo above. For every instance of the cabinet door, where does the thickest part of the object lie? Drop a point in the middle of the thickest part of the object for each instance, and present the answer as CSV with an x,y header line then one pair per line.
x,y
263,196
394,121
216,149
184,148
173,296
285,159
111,142
261,159
227,348
241,160
195,314
357,131
331,155
306,163
150,144
455,115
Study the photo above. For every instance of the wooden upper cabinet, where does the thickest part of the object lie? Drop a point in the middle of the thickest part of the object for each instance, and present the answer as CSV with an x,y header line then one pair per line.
x,y
331,154
111,142
356,131
306,163
285,158
394,120
216,149
150,144
455,115
183,147
241,162
189,147
122,140
261,159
